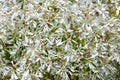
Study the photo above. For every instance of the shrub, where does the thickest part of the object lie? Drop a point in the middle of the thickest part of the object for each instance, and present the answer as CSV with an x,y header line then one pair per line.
x,y
59,40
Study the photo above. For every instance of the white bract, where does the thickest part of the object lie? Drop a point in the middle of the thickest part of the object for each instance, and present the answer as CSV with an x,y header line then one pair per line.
x,y
59,39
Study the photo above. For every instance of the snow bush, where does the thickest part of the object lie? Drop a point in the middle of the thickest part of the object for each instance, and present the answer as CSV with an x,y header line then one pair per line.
x,y
59,40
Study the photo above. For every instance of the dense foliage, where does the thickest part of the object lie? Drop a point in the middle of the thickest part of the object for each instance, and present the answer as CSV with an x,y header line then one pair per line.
x,y
59,40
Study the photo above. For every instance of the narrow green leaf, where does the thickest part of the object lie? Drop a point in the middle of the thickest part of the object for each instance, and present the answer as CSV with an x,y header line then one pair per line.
x,y
22,5
53,30
2,43
7,55
107,36
37,21
64,38
19,52
40,3
72,1
83,42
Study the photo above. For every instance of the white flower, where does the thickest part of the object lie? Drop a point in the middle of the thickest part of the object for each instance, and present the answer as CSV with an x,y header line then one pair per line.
x,y
26,76
13,76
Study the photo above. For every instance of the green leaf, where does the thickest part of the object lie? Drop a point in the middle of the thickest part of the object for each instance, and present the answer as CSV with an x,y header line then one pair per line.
x,y
37,21
54,29
22,5
108,1
2,43
54,8
74,28
7,55
40,3
72,1
19,1
82,42
19,52
64,38
107,36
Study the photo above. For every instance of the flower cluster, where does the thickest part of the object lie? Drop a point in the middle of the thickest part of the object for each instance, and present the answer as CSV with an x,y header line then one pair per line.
x,y
59,39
